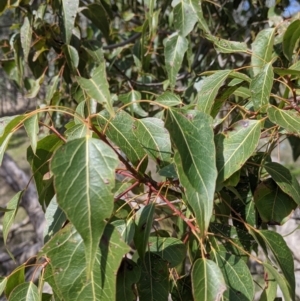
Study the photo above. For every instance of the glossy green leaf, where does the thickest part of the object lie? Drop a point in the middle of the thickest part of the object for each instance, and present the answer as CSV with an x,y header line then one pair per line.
x,y
193,136
31,126
208,283
262,48
76,131
154,138
273,205
168,99
120,130
97,87
26,291
25,34
290,38
69,9
16,278
143,222
175,48
83,172
209,90
237,276
9,216
3,282
185,17
154,281
260,88
129,273
289,120
281,71
66,272
72,57
132,97
226,46
196,6
235,146
169,249
284,179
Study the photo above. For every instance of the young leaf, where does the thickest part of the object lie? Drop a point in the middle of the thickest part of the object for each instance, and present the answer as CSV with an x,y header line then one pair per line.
x,y
143,222
154,138
25,34
9,216
290,38
31,126
209,89
235,146
84,176
154,281
26,291
208,283
237,277
260,88
284,179
289,120
69,9
262,48
175,48
169,99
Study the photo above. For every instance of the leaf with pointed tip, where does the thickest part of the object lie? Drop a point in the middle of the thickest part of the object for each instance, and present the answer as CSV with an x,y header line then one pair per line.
x,y
120,130
31,126
154,138
168,99
9,216
289,120
26,34
132,97
3,146
175,48
3,281
185,17
234,147
143,223
237,276
84,175
154,281
72,57
26,291
52,88
284,179
67,269
260,88
272,203
69,9
16,278
226,46
290,38
208,283
262,48
129,273
209,90
196,6
282,71
97,87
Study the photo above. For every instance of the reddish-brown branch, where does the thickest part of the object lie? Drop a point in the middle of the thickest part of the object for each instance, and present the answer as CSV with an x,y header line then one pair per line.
x,y
127,190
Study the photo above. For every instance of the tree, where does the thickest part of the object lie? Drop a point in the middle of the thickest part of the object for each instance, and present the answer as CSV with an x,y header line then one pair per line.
x,y
175,86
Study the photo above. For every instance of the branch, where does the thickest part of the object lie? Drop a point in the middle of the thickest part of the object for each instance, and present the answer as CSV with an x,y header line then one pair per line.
x,y
128,41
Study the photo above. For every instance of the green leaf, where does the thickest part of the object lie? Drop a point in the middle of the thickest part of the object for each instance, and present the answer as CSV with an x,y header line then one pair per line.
x,y
69,9
3,146
52,88
295,145
3,282
143,222
129,273
9,216
84,175
67,269
182,289
26,291
237,276
76,131
196,6
185,17
281,71
175,48
235,146
97,87
169,249
262,48
289,120
154,138
72,57
94,50
284,179
260,88
209,90
290,38
31,126
169,99
208,283
16,278
226,46
132,97
126,229
270,290
120,130
154,281
25,34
